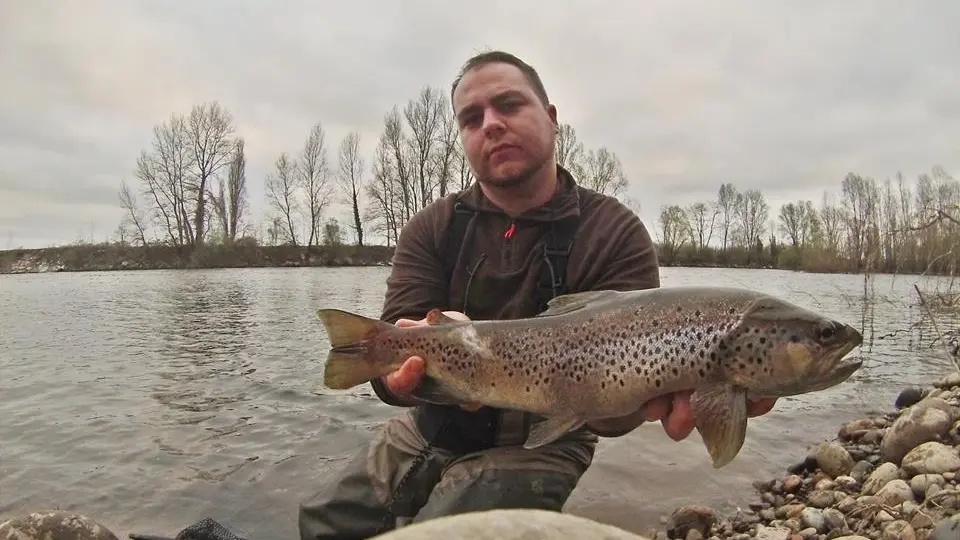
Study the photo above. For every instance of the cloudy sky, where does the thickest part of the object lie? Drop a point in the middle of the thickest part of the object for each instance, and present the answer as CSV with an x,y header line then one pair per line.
x,y
782,96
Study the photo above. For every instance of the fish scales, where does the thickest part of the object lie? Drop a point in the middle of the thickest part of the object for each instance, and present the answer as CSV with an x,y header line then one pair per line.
x,y
603,354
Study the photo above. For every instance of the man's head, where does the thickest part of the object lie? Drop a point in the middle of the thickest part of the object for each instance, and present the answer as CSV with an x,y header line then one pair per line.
x,y
507,124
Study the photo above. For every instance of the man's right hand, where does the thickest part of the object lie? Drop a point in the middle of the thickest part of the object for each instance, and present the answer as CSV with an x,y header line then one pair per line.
x,y
405,379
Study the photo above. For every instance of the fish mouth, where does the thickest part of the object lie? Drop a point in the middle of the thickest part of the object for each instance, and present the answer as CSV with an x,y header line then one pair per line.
x,y
840,368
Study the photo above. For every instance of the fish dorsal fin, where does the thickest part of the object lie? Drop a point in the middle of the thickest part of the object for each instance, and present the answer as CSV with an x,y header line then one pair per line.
x,y
567,303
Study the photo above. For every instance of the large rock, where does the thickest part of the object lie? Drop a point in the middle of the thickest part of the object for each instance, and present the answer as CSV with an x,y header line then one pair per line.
x,y
510,524
926,421
880,476
54,525
930,458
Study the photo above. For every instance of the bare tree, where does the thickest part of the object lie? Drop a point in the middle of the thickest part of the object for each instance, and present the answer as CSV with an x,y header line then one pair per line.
x,y
726,207
313,171
603,173
351,179
385,212
134,216
702,218
674,231
209,132
281,190
164,173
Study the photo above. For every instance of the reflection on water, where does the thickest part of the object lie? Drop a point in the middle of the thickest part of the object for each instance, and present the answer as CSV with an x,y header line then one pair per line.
x,y
205,329
154,399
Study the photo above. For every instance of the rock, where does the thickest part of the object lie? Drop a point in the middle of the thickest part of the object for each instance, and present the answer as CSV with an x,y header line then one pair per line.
x,y
946,529
860,470
921,482
931,458
921,520
690,517
834,518
54,525
895,492
820,499
509,524
772,533
898,530
949,381
848,483
857,426
813,518
908,396
791,483
694,534
923,422
834,459
879,478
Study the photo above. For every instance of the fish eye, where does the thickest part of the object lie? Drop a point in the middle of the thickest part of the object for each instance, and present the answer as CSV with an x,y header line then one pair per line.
x,y
827,332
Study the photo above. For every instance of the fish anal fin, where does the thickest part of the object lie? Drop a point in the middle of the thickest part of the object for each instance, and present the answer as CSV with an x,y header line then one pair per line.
x,y
551,429
721,418
567,303
433,390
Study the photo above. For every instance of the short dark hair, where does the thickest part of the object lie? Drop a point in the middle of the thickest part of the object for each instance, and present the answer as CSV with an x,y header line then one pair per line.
x,y
489,57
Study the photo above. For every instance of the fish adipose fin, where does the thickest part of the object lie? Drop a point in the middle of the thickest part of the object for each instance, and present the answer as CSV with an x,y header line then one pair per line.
x,y
567,303
347,363
550,430
435,391
721,416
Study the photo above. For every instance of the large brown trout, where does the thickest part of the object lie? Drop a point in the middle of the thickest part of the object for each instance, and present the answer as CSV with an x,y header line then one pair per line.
x,y
602,354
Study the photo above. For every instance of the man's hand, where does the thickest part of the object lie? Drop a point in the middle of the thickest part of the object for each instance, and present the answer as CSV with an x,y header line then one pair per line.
x,y
405,379
674,412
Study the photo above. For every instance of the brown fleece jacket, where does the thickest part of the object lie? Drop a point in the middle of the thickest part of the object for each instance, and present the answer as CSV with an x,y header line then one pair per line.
x,y
612,250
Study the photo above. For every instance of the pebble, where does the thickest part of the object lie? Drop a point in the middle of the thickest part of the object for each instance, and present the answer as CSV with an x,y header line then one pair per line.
x,y
884,476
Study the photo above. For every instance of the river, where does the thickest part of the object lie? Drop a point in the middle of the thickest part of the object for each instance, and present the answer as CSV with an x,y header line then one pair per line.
x,y
152,399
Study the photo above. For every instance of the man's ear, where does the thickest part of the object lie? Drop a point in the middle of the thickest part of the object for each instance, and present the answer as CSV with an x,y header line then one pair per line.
x,y
552,113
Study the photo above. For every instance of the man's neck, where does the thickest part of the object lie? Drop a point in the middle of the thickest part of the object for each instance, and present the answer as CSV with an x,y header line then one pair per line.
x,y
519,199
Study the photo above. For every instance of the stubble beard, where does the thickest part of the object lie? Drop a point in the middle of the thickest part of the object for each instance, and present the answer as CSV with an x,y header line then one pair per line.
x,y
515,180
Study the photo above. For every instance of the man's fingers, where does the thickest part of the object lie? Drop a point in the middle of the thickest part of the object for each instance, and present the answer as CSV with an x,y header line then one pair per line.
x,y
657,408
405,323
405,379
680,421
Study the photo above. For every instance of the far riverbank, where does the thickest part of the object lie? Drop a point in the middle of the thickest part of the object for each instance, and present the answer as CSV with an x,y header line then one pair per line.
x,y
105,257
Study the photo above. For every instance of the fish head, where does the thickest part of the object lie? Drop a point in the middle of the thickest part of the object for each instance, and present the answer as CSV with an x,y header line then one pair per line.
x,y
780,349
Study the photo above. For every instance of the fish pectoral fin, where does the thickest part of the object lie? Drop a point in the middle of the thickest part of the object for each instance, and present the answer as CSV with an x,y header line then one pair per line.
x,y
721,417
433,390
551,429
567,303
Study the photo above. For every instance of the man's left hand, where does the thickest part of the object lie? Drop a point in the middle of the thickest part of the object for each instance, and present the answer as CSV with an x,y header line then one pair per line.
x,y
674,412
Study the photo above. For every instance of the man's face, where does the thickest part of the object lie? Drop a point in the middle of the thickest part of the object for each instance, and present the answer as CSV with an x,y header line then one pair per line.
x,y
507,132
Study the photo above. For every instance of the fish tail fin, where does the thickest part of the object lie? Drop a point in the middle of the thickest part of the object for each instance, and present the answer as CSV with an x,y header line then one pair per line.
x,y
348,363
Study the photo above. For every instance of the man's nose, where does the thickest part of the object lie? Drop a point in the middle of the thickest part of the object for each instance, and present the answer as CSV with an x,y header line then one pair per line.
x,y
492,123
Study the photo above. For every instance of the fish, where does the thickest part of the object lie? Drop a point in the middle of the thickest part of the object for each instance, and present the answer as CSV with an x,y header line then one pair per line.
x,y
601,354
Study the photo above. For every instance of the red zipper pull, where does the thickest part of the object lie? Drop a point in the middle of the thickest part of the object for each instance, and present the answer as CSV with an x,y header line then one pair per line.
x,y
510,230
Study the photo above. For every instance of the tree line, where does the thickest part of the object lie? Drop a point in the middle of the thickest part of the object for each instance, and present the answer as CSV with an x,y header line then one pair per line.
x,y
891,226
191,189
192,185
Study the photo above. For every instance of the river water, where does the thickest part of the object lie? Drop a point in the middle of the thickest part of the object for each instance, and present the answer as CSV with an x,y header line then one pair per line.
x,y
152,399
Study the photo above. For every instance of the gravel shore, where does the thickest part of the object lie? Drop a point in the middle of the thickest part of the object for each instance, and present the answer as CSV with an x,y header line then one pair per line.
x,y
892,476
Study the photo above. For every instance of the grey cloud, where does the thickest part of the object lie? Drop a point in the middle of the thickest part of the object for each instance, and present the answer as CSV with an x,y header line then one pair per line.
x,y
786,99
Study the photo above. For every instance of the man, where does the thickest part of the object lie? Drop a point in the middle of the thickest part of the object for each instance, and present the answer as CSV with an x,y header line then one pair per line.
x,y
498,250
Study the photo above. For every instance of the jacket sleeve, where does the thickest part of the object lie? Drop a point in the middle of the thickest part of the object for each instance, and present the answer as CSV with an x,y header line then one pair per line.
x,y
416,283
632,261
